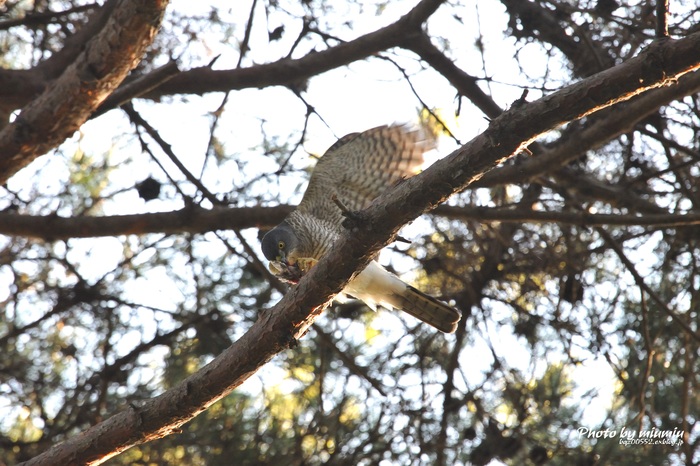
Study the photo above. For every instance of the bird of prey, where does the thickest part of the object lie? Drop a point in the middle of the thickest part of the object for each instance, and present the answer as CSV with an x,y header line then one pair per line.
x,y
355,170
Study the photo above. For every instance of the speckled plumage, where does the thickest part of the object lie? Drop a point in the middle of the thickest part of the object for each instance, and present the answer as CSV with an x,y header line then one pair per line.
x,y
356,169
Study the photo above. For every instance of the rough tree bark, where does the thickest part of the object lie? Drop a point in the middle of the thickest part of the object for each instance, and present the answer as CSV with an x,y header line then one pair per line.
x,y
68,101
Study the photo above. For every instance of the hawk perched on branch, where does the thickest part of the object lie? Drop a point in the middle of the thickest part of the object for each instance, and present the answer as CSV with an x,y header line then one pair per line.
x,y
355,170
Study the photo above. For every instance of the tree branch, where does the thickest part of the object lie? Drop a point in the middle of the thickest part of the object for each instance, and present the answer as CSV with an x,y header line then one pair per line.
x,y
615,121
548,159
132,88
138,120
44,17
18,87
191,219
542,23
70,100
195,219
287,71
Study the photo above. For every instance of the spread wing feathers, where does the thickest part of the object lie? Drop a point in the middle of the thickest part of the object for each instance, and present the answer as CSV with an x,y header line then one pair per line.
x,y
360,166
376,286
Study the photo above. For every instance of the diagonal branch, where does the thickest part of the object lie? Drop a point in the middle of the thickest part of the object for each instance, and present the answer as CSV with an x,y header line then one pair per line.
x,y
138,120
70,100
279,327
19,86
287,71
606,127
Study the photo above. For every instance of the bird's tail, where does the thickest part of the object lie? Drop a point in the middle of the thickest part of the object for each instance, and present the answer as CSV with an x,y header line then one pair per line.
x,y
426,308
376,286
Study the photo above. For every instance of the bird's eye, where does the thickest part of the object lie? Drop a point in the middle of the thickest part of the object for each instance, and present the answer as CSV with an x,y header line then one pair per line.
x,y
281,245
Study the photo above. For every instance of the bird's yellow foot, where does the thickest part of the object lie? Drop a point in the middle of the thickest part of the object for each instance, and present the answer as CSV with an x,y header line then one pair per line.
x,y
305,264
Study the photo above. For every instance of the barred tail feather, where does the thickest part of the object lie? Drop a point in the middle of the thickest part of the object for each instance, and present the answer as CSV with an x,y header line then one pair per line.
x,y
376,286
428,309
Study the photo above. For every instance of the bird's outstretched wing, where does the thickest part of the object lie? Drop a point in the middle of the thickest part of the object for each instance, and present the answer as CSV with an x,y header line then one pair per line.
x,y
360,166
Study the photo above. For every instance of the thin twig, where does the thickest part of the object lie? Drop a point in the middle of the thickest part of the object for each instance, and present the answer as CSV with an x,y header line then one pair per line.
x,y
661,19
346,212
212,129
350,363
420,99
649,347
165,147
245,43
642,284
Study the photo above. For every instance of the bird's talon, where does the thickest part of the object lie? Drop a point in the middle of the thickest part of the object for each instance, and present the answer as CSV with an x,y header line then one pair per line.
x,y
352,218
304,264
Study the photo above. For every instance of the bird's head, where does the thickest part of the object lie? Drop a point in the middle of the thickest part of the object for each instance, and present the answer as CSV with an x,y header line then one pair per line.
x,y
280,247
280,243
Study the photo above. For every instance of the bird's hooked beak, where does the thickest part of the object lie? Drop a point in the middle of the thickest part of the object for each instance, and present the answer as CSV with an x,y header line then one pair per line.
x,y
284,259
